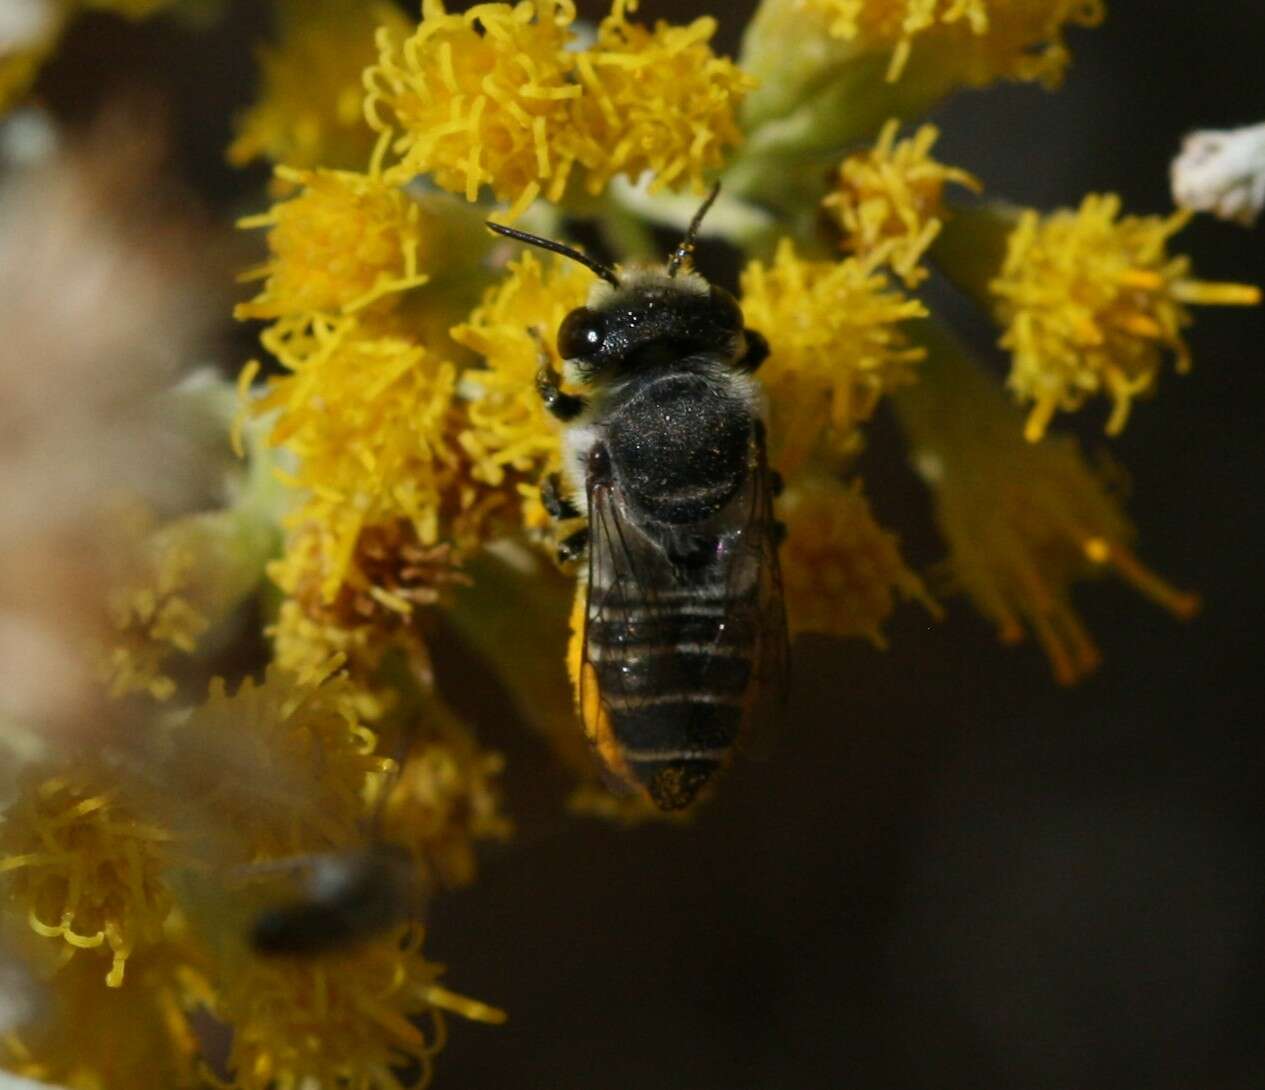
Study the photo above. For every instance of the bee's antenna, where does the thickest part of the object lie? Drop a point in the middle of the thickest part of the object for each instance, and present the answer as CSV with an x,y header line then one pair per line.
x,y
604,271
685,250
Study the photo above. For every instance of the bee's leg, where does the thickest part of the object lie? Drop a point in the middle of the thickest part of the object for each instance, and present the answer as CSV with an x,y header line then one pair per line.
x,y
565,407
776,484
757,350
572,547
779,531
558,506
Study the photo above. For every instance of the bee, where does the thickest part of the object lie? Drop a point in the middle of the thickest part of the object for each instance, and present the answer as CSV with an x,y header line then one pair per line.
x,y
346,898
680,638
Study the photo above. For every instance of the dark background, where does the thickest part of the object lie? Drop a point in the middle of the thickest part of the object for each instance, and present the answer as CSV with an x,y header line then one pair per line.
x,y
952,873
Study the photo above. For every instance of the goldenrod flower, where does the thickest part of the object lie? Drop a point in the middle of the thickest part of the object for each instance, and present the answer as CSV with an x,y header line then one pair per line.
x,y
360,1019
841,571
1020,39
90,1037
179,580
276,768
310,111
499,97
1023,522
153,618
889,199
509,429
382,456
447,797
83,867
480,98
1091,303
833,328
346,241
658,101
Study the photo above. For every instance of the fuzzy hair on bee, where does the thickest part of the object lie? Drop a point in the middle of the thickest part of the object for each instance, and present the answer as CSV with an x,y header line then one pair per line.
x,y
679,645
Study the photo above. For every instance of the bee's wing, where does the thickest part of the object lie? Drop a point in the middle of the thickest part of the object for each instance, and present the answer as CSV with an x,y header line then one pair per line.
x,y
623,610
754,577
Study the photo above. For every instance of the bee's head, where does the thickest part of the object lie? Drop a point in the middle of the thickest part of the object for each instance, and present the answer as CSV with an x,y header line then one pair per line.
x,y
645,316
649,318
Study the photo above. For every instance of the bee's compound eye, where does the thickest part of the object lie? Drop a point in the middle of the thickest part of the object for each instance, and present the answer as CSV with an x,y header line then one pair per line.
x,y
728,314
580,334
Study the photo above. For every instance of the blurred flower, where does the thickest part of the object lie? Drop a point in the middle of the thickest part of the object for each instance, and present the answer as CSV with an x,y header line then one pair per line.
x,y
888,200
283,766
1090,302
345,242
836,347
363,1018
83,867
1023,522
90,1036
509,428
28,32
310,110
841,571
1222,172
1020,39
499,97
446,798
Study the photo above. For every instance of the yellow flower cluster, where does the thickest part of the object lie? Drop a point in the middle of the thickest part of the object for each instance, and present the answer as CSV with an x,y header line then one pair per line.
x,y
345,242
368,1020
509,429
1091,303
1020,39
841,571
446,798
499,96
310,110
889,200
90,1037
836,347
84,867
152,617
1023,522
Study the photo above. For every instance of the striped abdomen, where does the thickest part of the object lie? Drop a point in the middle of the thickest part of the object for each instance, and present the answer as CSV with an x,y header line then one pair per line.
x,y
673,679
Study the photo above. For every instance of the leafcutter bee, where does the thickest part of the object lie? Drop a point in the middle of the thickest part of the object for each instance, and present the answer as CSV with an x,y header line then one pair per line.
x,y
679,641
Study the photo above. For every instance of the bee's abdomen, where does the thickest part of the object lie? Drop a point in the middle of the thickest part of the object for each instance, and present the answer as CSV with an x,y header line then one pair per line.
x,y
674,689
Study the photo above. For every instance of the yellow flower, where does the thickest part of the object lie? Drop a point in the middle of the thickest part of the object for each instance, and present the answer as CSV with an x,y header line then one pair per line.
x,y
1019,39
1091,303
836,347
1023,522
447,797
499,97
90,1037
84,867
658,101
841,571
888,200
345,242
383,455
180,580
360,1019
480,98
152,617
508,427
277,769
310,110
